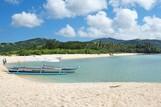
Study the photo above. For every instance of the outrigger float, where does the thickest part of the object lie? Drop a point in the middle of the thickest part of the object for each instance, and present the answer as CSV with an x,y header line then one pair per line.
x,y
44,70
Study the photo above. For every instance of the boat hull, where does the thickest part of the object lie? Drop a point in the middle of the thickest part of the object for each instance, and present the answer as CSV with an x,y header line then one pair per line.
x,y
40,71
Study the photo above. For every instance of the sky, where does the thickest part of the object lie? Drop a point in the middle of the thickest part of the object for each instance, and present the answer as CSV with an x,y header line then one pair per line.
x,y
81,20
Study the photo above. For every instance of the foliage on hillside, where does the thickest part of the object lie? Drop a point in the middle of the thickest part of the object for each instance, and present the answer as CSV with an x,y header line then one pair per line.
x,y
105,45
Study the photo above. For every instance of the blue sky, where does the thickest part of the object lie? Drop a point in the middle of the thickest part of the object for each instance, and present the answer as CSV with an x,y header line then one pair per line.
x,y
79,19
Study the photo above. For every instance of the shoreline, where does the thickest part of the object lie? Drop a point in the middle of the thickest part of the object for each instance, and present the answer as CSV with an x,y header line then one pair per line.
x,y
20,92
16,91
14,59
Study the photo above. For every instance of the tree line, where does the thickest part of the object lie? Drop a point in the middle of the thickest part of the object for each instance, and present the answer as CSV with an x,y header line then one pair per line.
x,y
40,46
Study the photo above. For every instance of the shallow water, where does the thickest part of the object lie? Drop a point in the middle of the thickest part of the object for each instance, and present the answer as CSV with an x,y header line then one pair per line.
x,y
139,68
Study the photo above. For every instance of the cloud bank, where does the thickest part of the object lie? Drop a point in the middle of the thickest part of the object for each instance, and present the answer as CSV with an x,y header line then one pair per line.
x,y
71,8
124,24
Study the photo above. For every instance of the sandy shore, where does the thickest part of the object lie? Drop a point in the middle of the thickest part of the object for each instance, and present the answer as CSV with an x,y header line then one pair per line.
x,y
12,59
20,92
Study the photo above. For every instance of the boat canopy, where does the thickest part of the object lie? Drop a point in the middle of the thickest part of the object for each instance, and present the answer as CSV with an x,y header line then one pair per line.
x,y
42,59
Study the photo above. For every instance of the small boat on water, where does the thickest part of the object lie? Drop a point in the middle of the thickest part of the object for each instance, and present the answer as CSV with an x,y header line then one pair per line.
x,y
42,70
45,69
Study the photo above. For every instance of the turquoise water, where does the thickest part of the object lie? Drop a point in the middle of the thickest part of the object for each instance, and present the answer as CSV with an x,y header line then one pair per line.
x,y
140,68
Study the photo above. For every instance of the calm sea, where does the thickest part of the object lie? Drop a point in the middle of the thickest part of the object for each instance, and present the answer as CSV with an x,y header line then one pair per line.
x,y
139,68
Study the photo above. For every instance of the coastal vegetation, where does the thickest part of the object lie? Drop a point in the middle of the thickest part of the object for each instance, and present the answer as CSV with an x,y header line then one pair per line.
x,y
40,46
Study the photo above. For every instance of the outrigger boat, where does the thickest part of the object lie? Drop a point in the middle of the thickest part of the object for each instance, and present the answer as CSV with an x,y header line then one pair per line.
x,y
42,70
45,69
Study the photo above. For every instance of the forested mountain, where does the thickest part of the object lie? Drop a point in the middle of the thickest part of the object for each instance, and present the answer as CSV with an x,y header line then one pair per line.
x,y
156,43
97,46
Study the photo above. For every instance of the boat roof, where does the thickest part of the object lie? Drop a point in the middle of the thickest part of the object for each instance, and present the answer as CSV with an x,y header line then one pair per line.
x,y
42,59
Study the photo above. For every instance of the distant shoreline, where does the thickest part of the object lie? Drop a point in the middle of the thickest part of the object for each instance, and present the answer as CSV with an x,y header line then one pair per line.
x,y
14,59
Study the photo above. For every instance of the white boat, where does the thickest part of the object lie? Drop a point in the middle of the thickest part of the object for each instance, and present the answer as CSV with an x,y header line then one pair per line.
x,y
45,69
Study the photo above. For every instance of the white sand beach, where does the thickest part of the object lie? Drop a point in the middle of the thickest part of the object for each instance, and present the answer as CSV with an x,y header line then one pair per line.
x,y
19,92
13,59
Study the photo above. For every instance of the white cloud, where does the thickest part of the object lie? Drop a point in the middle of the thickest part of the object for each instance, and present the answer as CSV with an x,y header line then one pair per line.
x,y
68,31
91,32
13,1
151,27
24,19
70,8
84,7
152,24
125,18
100,20
57,8
99,25
124,25
125,22
146,4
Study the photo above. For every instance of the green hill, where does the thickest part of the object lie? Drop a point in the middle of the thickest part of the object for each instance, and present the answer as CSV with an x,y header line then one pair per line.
x,y
103,45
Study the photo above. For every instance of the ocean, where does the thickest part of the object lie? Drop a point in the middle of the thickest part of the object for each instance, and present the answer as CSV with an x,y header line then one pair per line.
x,y
138,68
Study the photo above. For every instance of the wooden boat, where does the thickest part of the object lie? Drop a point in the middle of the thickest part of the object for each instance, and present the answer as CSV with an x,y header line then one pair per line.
x,y
44,69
